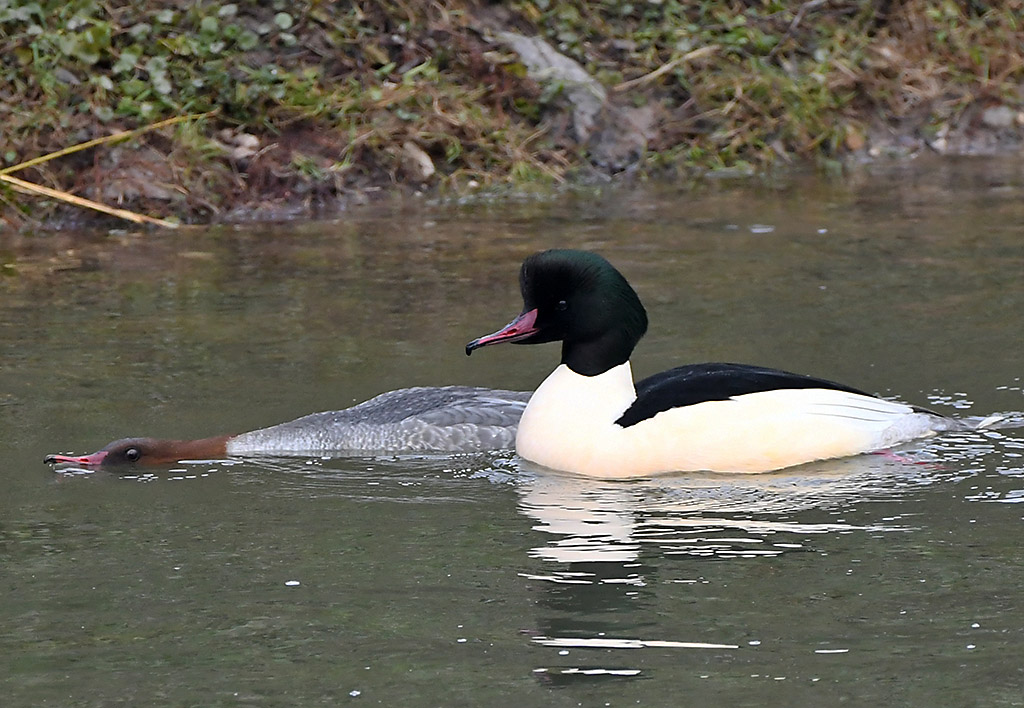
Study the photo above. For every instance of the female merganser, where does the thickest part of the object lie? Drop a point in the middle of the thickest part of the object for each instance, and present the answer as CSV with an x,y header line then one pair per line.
x,y
588,418
422,419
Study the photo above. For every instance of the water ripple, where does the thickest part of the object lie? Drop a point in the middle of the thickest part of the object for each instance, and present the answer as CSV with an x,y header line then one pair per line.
x,y
416,479
623,643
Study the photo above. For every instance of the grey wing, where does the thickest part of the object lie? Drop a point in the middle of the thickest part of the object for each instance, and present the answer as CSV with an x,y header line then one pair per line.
x,y
477,406
458,418
442,418
437,405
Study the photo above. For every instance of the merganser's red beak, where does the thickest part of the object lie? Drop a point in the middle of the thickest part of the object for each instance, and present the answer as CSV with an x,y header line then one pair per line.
x,y
523,326
93,460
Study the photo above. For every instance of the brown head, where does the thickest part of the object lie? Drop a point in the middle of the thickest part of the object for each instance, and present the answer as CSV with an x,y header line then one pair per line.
x,y
147,451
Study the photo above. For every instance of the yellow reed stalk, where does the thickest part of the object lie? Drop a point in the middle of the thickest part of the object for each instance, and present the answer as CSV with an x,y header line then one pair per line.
x,y
116,137
31,188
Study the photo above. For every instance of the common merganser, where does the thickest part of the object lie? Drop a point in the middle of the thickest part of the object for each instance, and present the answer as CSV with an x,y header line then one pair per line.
x,y
421,419
588,418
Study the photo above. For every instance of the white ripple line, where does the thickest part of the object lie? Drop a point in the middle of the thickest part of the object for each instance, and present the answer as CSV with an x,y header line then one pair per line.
x,y
621,643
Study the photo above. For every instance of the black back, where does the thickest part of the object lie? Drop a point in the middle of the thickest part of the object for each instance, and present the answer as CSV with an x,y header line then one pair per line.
x,y
697,383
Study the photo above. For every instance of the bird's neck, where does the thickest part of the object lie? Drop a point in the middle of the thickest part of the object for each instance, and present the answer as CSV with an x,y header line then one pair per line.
x,y
201,449
593,357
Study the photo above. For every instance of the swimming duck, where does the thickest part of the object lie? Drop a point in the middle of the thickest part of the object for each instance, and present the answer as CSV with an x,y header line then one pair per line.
x,y
588,418
420,419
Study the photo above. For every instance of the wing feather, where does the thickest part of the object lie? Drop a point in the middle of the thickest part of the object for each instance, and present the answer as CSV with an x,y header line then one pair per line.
x,y
699,383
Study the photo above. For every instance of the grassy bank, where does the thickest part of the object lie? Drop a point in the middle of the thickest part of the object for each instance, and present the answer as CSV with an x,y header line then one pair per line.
x,y
311,103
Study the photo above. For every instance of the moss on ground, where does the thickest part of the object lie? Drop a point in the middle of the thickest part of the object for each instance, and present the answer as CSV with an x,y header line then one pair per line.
x,y
317,102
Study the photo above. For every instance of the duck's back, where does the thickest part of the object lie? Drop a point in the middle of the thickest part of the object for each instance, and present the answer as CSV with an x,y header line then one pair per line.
x,y
419,419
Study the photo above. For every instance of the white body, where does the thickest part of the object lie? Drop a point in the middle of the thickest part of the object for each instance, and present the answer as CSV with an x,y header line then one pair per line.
x,y
569,425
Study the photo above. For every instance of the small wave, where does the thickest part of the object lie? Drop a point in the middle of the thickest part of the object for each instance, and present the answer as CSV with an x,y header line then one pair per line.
x,y
624,643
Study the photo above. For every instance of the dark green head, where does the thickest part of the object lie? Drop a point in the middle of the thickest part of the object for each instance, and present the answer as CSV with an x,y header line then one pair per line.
x,y
580,299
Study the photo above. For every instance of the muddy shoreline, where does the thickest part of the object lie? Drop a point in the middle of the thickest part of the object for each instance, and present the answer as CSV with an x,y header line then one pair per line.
x,y
310,110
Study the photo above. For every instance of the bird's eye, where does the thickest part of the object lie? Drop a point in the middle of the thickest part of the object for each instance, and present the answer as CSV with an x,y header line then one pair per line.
x,y
562,306
132,454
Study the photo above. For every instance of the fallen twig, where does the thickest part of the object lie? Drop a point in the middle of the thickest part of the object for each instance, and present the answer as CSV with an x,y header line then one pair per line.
x,y
32,188
116,137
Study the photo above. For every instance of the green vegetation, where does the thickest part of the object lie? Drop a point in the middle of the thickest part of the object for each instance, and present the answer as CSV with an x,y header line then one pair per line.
x,y
318,100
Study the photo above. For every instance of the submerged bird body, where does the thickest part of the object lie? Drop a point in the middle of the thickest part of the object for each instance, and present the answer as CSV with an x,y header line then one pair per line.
x,y
421,419
443,419
588,417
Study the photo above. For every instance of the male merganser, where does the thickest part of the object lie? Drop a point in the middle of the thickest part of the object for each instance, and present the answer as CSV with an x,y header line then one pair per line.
x,y
588,418
421,419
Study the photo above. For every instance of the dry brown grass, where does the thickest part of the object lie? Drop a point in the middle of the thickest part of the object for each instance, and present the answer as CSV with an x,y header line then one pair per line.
x,y
330,105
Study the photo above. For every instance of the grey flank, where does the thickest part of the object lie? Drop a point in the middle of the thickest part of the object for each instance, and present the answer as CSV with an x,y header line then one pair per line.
x,y
419,419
